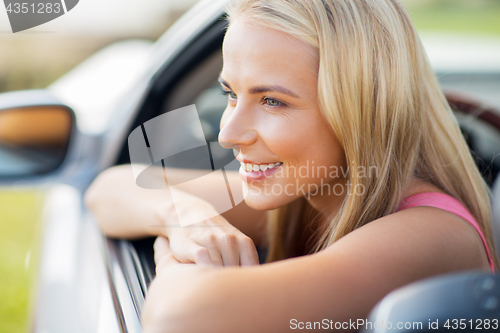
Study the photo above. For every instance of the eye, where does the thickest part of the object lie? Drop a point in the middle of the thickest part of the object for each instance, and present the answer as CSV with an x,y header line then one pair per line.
x,y
273,102
231,95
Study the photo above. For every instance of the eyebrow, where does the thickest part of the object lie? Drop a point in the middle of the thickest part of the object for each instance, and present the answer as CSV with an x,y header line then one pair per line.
x,y
261,89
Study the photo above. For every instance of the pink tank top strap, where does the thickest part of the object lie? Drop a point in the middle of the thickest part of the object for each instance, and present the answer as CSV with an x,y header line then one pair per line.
x,y
449,204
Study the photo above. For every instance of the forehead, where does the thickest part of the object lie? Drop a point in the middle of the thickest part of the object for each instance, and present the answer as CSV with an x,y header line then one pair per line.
x,y
250,49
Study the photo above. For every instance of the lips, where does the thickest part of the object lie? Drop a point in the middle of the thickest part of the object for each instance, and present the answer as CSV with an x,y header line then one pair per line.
x,y
252,167
251,172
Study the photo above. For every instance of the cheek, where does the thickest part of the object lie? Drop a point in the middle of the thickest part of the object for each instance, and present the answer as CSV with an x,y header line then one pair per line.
x,y
326,146
316,158
330,157
288,138
307,144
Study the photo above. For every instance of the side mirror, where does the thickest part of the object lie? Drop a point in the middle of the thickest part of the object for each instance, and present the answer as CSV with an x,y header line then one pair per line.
x,y
35,132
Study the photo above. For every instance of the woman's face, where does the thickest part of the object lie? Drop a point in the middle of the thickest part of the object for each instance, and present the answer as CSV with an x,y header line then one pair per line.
x,y
273,118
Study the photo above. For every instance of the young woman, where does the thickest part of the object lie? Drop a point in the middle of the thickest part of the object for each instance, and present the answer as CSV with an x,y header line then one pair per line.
x,y
388,194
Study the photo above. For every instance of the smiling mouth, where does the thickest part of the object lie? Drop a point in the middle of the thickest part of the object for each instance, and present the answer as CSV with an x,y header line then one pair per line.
x,y
251,167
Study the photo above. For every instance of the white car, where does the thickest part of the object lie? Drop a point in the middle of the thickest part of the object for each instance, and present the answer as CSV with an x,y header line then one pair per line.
x,y
80,124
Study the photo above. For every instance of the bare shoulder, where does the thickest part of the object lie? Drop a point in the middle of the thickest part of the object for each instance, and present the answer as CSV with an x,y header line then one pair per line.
x,y
422,241
430,237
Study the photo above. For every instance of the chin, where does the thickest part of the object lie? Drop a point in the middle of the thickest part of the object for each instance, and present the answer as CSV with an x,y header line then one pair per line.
x,y
260,204
266,202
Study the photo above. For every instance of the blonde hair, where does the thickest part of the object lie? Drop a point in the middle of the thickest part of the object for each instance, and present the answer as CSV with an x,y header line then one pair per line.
x,y
382,100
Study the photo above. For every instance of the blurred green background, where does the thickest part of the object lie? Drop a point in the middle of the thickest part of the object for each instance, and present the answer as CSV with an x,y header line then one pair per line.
x,y
19,243
457,16
36,58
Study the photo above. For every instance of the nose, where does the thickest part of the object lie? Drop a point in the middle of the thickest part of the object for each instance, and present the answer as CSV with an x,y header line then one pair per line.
x,y
237,128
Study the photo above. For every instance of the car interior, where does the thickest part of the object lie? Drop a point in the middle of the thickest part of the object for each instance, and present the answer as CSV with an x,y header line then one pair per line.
x,y
192,79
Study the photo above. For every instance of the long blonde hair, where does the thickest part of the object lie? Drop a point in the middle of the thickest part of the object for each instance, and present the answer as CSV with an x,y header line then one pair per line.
x,y
382,100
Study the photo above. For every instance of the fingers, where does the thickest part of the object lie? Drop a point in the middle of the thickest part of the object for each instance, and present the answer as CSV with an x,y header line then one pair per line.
x,y
163,254
218,248
225,245
232,250
204,256
208,253
162,248
188,251
248,253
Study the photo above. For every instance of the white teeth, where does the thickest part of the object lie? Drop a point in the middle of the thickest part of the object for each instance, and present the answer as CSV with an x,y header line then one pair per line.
x,y
260,167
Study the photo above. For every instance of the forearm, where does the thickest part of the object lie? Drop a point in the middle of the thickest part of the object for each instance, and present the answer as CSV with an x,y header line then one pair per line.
x,y
250,299
261,298
123,209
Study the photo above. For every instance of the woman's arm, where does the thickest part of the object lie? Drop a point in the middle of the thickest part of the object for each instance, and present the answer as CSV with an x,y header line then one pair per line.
x,y
124,210
339,284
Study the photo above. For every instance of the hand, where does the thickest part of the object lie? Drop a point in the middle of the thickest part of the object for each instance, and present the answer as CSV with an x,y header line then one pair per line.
x,y
163,255
213,241
160,313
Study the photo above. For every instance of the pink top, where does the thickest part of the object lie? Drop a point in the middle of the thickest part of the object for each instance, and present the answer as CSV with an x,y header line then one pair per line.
x,y
449,204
